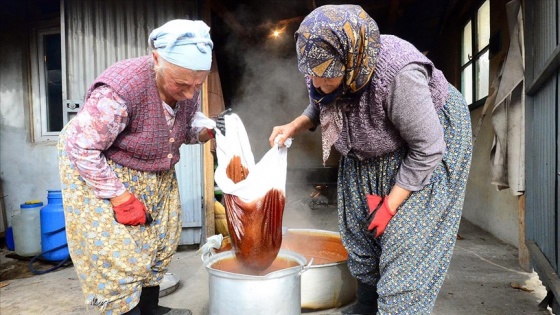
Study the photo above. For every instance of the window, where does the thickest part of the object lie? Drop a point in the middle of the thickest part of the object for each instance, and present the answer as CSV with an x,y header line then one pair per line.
x,y
475,63
47,110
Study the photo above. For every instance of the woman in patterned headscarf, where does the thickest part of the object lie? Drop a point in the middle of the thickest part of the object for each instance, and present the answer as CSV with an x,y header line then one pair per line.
x,y
405,141
116,161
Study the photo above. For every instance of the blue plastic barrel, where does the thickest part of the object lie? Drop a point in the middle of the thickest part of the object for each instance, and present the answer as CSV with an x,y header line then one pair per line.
x,y
53,230
10,239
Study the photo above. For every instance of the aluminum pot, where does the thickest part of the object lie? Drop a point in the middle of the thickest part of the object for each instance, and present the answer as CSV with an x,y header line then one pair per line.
x,y
328,282
278,292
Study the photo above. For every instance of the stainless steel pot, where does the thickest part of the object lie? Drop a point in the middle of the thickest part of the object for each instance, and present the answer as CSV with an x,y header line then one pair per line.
x,y
278,292
326,284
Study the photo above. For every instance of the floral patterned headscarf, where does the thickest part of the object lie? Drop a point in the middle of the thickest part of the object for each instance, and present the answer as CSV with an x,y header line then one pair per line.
x,y
338,40
334,41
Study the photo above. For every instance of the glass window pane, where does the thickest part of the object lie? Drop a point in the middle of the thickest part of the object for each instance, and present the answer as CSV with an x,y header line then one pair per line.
x,y
467,84
483,26
53,79
466,53
482,76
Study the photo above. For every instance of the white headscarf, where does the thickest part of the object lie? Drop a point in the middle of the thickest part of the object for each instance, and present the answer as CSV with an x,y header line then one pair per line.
x,y
184,43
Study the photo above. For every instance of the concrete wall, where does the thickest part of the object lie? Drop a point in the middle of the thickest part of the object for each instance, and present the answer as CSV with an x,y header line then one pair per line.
x,y
494,211
27,169
485,206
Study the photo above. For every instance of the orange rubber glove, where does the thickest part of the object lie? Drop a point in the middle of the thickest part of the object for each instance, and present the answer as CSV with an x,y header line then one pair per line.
x,y
379,215
132,212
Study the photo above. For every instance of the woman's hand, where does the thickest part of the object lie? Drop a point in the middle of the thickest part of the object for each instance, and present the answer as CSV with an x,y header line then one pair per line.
x,y
289,130
118,200
205,135
382,210
396,197
285,132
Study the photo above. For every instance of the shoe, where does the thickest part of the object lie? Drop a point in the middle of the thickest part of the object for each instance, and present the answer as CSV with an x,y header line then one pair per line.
x,y
149,300
360,309
366,303
134,311
162,310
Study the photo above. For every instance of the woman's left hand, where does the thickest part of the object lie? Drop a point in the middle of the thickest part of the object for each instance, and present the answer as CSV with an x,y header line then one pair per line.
x,y
382,210
379,214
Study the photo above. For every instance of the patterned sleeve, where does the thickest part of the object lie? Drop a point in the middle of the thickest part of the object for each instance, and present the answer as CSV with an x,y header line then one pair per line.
x,y
91,132
312,111
411,110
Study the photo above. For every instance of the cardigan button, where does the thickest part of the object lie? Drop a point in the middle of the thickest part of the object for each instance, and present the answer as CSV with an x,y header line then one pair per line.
x,y
171,140
169,156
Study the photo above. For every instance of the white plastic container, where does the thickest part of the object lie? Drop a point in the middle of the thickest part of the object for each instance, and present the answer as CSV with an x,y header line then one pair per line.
x,y
26,225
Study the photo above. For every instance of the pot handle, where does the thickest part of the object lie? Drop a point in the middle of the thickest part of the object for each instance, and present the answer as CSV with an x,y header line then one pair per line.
x,y
213,242
205,256
306,267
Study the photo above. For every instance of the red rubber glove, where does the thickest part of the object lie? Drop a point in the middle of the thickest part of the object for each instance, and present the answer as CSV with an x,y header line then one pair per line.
x,y
379,215
132,212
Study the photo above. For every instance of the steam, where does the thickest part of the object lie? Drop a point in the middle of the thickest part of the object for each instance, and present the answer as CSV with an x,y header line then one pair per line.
x,y
272,92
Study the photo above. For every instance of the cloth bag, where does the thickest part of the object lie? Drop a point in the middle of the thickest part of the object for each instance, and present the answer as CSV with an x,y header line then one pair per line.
x,y
254,195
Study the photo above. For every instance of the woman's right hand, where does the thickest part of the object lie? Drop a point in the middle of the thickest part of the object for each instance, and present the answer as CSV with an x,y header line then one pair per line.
x,y
285,131
118,200
289,130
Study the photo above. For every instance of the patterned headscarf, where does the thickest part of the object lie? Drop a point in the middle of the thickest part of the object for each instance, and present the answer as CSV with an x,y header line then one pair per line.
x,y
334,41
338,40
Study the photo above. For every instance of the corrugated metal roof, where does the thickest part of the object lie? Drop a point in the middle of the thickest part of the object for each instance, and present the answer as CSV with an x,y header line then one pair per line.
x,y
100,32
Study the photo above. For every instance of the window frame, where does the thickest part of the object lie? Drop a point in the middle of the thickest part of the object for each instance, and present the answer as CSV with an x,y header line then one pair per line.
x,y
476,55
38,110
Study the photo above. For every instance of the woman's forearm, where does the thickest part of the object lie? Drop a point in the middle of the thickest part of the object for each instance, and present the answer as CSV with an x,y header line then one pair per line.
x,y
301,123
396,197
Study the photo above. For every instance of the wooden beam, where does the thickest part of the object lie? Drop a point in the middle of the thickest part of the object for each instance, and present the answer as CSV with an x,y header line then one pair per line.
x,y
393,17
229,18
522,252
209,226
550,68
295,19
311,5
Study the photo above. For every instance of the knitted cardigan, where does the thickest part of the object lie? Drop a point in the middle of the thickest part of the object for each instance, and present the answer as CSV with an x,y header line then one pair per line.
x,y
367,131
147,143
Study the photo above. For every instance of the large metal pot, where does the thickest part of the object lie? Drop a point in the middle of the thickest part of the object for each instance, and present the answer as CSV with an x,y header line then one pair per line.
x,y
328,282
278,292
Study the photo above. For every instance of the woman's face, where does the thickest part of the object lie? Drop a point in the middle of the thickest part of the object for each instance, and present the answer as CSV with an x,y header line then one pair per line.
x,y
176,83
326,85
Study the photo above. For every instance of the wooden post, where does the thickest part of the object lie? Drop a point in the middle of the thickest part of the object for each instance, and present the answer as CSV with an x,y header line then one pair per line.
x,y
523,251
208,159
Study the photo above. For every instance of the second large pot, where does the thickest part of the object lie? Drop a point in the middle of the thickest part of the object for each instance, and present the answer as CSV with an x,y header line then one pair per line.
x,y
328,282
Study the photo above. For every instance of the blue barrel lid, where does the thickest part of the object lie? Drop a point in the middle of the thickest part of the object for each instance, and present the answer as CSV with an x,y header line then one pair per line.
x,y
54,193
31,204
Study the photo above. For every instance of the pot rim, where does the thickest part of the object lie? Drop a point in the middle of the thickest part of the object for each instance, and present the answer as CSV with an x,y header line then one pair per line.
x,y
212,258
323,232
313,231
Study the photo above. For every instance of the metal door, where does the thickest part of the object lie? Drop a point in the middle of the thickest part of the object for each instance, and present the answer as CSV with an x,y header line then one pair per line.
x,y
542,60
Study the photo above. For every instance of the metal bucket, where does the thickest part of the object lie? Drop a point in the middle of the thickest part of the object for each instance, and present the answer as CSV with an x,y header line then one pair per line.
x,y
278,292
327,283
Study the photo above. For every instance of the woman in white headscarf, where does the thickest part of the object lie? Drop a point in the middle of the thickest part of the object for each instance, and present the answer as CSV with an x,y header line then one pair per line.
x,y
116,161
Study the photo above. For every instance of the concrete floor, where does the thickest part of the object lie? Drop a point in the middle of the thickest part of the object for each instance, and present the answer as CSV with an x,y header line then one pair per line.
x,y
481,279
